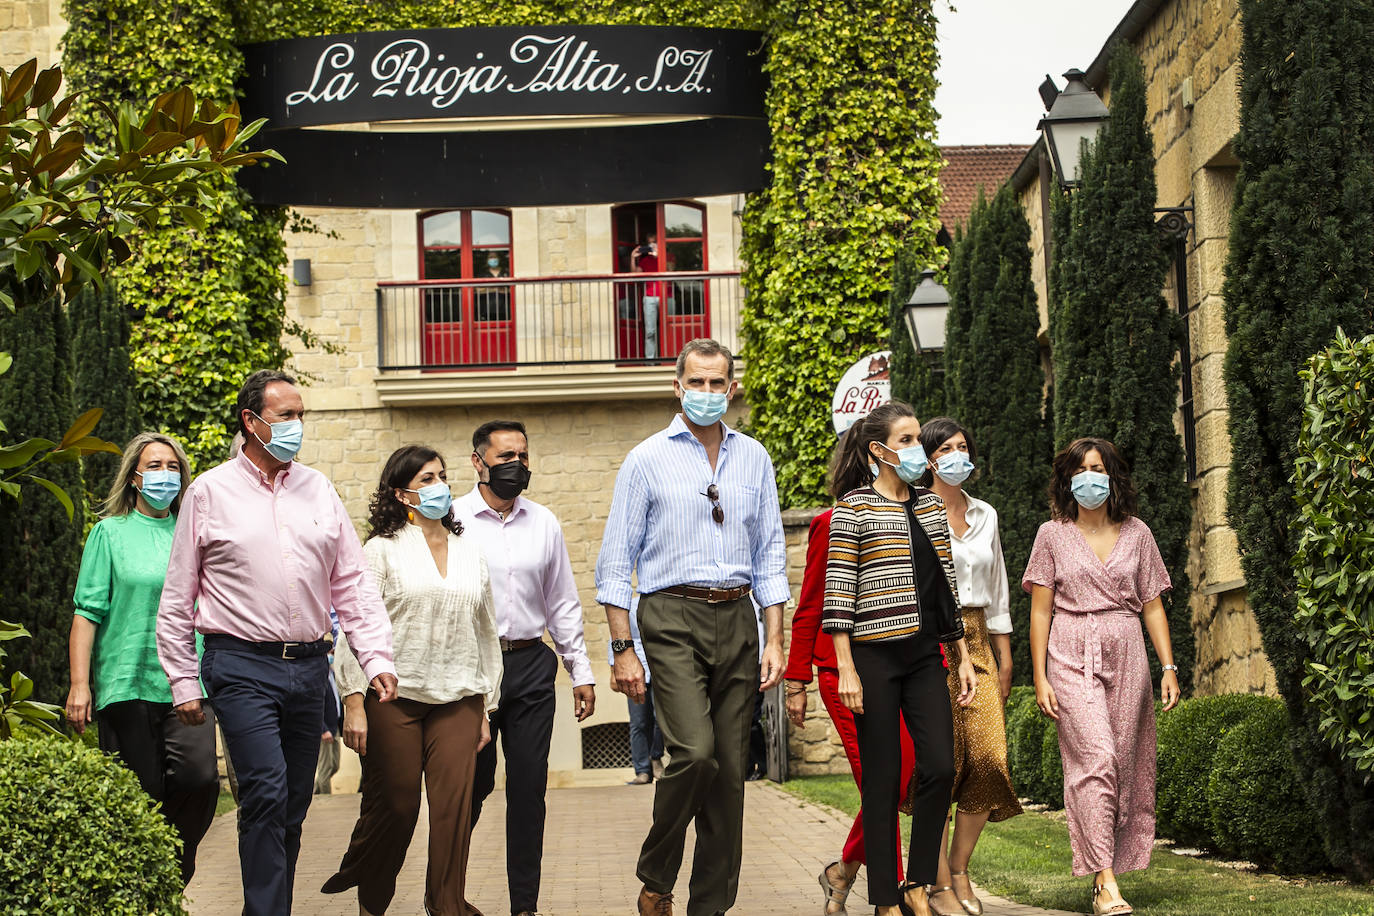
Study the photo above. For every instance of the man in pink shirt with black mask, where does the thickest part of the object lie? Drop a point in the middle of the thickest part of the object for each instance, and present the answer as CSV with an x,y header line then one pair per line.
x,y
263,549
533,588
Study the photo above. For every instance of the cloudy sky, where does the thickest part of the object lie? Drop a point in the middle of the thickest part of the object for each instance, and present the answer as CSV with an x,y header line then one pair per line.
x,y
994,53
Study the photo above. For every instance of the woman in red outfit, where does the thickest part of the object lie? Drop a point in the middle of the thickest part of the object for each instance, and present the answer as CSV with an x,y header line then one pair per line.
x,y
810,649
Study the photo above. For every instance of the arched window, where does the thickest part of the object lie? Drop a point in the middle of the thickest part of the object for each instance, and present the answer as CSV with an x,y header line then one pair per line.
x,y
466,324
656,316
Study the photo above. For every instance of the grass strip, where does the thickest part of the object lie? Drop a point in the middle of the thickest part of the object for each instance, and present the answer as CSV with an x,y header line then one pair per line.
x,y
1027,859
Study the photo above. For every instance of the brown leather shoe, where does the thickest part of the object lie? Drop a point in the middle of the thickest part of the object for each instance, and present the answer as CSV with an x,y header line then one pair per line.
x,y
651,904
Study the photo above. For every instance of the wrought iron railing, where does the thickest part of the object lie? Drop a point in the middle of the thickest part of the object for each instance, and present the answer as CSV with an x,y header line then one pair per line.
x,y
630,319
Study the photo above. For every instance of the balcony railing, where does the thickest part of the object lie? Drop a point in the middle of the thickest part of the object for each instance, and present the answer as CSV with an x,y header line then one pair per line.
x,y
629,320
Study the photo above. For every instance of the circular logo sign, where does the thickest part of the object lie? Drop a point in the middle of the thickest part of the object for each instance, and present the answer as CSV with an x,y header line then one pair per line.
x,y
864,386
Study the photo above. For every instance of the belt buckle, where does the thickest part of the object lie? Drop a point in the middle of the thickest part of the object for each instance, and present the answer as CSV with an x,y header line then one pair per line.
x,y
505,644
286,650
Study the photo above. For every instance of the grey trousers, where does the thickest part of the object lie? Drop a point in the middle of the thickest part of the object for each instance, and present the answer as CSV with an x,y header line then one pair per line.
x,y
705,663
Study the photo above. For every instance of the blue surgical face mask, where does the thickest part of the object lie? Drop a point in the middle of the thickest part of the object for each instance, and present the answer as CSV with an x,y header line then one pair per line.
x,y
1091,488
704,408
286,439
160,488
953,467
911,462
434,499
493,262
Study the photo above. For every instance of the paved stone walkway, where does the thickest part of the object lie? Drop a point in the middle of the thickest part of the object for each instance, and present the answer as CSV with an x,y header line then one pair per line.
x,y
591,840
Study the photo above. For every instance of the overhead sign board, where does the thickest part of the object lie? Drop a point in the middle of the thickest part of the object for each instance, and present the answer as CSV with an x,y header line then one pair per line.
x,y
504,72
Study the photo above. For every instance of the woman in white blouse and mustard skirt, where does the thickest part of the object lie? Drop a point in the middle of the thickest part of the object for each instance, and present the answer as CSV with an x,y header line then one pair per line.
x,y
448,662
982,783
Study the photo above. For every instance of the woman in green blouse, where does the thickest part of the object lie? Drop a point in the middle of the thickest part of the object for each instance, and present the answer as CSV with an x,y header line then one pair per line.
x,y
116,676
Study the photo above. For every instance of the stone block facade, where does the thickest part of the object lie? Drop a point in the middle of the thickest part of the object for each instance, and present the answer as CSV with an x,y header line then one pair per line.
x,y
30,29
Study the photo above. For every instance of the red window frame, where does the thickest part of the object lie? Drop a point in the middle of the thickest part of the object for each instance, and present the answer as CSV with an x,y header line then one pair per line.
x,y
675,325
467,325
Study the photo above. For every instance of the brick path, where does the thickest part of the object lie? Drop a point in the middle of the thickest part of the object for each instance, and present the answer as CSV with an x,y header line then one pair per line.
x,y
591,841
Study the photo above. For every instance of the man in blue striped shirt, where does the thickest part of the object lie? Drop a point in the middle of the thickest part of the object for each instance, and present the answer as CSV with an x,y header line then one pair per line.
x,y
695,517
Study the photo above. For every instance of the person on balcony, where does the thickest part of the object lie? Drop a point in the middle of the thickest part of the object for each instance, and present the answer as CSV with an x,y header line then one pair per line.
x,y
533,590
645,260
695,514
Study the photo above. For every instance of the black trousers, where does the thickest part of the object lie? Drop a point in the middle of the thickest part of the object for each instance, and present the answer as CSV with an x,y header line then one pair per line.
x,y
523,722
174,763
903,679
270,710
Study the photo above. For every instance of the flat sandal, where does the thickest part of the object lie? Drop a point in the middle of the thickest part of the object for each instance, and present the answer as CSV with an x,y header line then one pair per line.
x,y
832,893
932,892
1117,908
972,905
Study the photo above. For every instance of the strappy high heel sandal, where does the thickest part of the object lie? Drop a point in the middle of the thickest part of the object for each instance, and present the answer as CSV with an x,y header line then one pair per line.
x,y
832,893
971,904
906,908
1116,905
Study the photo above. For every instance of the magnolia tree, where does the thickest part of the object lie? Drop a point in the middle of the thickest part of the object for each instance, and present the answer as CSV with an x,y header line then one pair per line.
x,y
67,212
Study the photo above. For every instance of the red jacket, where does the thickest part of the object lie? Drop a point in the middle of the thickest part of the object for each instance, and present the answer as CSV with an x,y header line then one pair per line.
x,y
811,647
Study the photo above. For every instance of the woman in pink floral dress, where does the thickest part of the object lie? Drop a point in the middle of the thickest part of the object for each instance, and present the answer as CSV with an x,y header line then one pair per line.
x,y
1096,572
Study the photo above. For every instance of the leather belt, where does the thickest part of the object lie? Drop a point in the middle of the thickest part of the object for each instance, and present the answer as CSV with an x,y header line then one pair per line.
x,y
510,645
709,595
286,650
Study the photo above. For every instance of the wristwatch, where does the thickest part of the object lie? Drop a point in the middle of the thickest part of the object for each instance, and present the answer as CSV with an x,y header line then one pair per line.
x,y
620,645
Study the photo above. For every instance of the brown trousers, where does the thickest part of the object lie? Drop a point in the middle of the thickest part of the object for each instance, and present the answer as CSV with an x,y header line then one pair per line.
x,y
406,739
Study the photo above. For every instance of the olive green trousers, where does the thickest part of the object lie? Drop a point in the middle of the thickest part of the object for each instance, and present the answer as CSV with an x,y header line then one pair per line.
x,y
704,666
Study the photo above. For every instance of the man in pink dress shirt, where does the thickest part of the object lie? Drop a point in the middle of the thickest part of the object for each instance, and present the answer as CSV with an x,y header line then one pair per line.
x,y
532,584
263,548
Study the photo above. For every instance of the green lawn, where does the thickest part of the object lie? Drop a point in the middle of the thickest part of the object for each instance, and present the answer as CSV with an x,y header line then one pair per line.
x,y
1028,860
225,803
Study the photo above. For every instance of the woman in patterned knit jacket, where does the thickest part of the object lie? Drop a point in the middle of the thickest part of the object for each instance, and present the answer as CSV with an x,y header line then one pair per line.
x,y
890,601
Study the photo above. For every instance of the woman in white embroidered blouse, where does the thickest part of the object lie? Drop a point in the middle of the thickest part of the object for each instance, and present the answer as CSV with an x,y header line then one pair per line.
x,y
448,664
982,783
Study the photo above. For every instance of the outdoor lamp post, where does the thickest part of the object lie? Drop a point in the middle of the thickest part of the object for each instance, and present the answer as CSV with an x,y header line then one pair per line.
x,y
925,314
1074,115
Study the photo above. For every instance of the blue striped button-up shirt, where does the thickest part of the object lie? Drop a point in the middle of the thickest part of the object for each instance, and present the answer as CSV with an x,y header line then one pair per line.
x,y
660,525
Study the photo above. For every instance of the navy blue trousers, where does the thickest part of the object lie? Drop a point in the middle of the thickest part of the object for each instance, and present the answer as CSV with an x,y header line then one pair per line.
x,y
270,711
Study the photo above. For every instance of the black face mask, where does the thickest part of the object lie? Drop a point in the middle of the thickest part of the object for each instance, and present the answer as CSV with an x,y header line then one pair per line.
x,y
507,480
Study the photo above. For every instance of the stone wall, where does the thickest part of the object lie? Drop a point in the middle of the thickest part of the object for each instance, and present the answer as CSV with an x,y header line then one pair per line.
x,y
30,28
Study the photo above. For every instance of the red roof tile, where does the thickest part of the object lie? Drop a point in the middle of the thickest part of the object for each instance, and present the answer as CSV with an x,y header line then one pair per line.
x,y
967,168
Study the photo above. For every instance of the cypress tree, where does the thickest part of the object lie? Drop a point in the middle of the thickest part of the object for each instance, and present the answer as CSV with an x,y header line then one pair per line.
x,y
1299,268
104,377
1115,339
40,548
995,385
914,378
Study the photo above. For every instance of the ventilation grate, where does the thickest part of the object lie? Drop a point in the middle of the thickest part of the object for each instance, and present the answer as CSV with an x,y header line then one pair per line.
x,y
606,746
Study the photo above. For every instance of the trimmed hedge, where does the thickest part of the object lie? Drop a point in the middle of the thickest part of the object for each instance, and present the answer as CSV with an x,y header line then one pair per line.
x,y
1025,738
81,836
1227,780
1188,741
1051,768
1255,794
